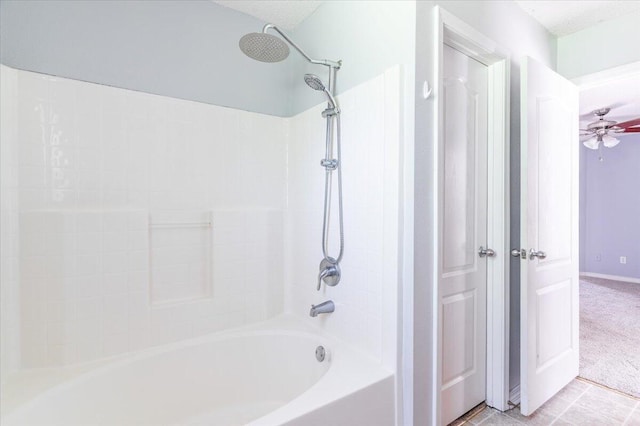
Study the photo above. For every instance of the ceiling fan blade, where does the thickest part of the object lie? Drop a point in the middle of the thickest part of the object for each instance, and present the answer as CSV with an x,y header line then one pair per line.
x,y
630,130
630,123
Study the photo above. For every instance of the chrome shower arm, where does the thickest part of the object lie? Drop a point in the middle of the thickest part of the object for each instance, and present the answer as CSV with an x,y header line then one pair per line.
x,y
324,62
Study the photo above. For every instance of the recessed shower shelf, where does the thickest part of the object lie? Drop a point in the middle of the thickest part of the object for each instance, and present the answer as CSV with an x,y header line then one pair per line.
x,y
180,256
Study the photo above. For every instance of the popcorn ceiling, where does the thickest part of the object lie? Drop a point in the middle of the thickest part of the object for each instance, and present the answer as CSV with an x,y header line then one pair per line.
x,y
286,14
566,17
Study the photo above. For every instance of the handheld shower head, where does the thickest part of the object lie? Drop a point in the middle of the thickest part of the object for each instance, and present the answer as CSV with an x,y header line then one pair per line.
x,y
264,47
315,83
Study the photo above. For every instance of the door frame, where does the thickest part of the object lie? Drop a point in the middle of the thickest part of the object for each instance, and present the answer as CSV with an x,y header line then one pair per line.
x,y
456,33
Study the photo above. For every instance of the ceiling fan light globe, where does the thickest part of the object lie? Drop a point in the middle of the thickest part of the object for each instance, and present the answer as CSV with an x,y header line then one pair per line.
x,y
609,141
591,143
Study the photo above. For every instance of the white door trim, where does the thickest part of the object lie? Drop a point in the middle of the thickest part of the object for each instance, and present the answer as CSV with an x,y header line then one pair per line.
x,y
456,33
607,76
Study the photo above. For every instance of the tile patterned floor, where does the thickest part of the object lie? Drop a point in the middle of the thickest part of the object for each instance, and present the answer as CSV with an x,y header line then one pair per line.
x,y
580,403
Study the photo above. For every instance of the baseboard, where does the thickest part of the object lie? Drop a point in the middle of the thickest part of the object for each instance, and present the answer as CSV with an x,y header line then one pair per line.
x,y
611,277
514,395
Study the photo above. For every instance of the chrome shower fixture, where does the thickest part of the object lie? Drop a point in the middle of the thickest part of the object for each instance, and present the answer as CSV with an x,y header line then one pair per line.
x,y
315,83
264,47
268,48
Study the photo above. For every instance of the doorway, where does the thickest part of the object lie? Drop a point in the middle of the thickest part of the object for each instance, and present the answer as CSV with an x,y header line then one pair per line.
x,y
610,230
471,257
463,280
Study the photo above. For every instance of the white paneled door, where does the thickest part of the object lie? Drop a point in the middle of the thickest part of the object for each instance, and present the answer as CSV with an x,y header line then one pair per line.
x,y
463,273
549,234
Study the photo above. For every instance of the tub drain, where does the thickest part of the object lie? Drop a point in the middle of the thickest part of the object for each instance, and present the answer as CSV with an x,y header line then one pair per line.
x,y
320,353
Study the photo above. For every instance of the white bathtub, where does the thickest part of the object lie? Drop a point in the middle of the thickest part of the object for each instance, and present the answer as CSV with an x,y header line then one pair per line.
x,y
261,375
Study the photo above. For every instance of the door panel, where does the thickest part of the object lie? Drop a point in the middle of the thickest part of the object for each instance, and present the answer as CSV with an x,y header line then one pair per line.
x,y
553,186
463,274
549,220
554,322
459,321
459,220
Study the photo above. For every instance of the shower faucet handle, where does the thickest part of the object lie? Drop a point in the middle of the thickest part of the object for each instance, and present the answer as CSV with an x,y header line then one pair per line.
x,y
329,273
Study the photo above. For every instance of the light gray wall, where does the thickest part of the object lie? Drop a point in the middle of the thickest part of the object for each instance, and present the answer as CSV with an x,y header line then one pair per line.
x,y
188,49
514,30
583,205
612,209
606,45
368,36
183,49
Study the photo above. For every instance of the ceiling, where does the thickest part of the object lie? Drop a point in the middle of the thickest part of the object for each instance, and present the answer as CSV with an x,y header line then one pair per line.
x,y
569,16
286,14
560,17
622,95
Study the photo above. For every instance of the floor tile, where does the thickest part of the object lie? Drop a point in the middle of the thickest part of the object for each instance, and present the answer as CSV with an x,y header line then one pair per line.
x,y
560,422
536,419
482,416
573,390
580,403
501,419
612,395
603,404
555,406
583,416
634,419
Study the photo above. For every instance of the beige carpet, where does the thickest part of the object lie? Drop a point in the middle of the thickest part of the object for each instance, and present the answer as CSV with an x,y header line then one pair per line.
x,y
610,333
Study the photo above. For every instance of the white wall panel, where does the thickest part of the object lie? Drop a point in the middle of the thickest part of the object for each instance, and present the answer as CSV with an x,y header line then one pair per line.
x,y
96,163
9,241
366,297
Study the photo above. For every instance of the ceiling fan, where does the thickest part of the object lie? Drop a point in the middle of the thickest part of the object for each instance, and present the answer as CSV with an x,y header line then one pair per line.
x,y
599,130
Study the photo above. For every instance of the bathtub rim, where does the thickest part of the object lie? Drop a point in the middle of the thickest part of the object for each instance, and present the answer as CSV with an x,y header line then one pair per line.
x,y
282,325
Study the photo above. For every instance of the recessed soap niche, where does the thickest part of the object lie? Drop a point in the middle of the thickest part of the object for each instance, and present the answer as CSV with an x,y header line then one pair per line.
x,y
180,257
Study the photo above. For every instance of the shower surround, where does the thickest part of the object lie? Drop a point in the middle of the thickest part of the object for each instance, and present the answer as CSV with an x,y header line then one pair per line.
x,y
116,192
97,164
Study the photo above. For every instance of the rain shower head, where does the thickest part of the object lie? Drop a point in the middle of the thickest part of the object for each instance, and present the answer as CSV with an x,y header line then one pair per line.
x,y
264,47
315,83
267,48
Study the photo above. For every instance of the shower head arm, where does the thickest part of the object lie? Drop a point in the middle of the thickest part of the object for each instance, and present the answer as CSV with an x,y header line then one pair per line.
x,y
324,62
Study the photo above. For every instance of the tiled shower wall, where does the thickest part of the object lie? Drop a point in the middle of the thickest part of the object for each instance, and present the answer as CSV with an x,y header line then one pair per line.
x,y
367,296
99,168
9,269
116,187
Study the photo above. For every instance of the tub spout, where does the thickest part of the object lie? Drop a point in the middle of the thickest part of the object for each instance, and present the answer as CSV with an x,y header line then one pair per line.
x,y
323,308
